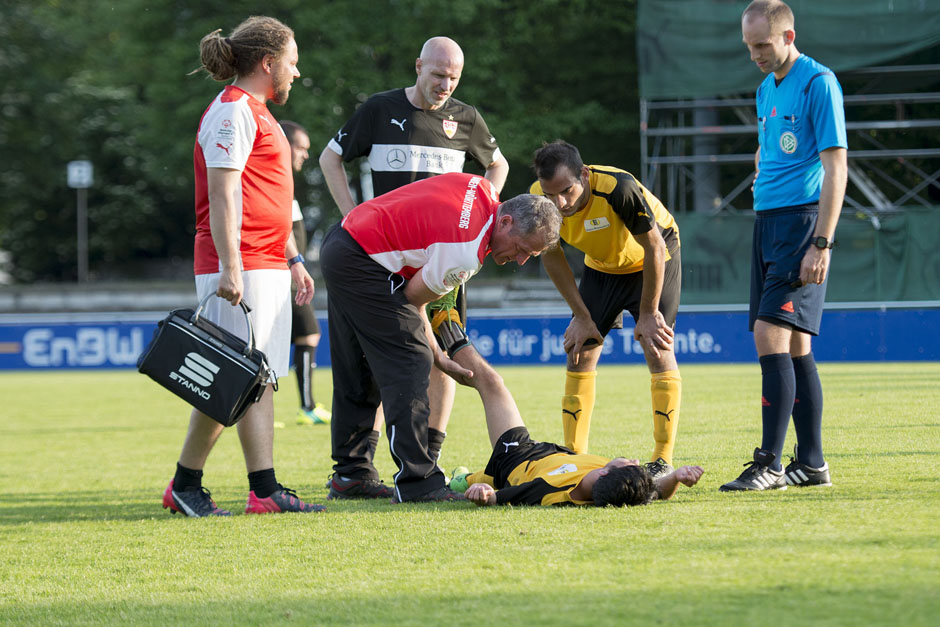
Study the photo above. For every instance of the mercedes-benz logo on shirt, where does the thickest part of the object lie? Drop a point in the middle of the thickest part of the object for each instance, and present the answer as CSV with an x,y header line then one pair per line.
x,y
396,158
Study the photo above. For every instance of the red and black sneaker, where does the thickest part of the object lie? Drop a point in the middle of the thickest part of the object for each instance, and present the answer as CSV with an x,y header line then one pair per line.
x,y
345,488
196,502
283,500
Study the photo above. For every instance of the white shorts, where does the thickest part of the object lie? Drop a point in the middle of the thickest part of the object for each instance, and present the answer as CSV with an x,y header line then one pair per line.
x,y
267,294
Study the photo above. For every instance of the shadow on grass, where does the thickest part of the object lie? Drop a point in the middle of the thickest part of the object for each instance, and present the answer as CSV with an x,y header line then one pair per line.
x,y
128,505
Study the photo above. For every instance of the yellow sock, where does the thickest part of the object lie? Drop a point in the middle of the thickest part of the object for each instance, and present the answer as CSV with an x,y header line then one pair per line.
x,y
666,391
479,477
577,405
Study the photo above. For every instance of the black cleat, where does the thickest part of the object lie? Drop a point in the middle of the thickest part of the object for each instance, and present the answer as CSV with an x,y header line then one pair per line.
x,y
344,488
803,476
757,475
441,495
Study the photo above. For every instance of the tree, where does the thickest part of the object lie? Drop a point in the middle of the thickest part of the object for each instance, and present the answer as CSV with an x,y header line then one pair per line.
x,y
109,82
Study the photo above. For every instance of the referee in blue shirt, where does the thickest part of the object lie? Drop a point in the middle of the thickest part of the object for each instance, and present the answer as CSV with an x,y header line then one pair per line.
x,y
798,192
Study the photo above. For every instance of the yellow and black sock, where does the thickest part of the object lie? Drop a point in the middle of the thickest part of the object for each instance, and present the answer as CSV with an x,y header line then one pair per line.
x,y
577,405
666,393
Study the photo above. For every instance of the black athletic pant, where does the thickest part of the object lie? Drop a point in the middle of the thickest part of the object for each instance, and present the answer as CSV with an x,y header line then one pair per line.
x,y
379,351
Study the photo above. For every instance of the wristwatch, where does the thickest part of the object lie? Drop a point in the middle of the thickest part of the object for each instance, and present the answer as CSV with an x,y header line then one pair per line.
x,y
299,259
822,242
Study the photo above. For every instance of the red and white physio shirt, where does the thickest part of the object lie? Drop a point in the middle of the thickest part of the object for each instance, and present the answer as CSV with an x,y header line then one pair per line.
x,y
442,224
238,132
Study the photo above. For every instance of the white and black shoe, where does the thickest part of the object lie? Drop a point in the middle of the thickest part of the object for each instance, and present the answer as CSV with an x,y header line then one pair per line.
x,y
659,468
758,475
804,476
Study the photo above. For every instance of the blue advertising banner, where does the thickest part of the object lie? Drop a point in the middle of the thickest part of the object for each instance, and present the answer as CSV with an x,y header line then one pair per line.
x,y
73,344
720,337
885,334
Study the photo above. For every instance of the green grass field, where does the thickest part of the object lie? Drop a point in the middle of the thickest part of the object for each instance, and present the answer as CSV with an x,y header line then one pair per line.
x,y
84,459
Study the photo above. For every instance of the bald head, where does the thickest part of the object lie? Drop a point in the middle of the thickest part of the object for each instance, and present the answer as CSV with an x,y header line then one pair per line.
x,y
778,15
767,31
437,47
438,69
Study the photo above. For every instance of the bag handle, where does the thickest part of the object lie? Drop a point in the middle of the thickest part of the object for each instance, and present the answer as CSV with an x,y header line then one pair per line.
x,y
245,308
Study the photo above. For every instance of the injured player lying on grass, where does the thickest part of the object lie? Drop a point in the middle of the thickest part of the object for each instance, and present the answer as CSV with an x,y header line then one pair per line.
x,y
522,471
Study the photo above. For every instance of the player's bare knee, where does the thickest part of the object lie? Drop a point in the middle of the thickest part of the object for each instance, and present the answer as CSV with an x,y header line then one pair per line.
x,y
485,379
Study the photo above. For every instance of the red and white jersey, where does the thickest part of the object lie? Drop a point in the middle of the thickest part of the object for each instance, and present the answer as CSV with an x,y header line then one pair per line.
x,y
442,224
238,132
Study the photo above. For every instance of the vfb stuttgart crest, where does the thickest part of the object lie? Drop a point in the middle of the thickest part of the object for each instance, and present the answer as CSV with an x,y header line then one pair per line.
x,y
450,128
788,143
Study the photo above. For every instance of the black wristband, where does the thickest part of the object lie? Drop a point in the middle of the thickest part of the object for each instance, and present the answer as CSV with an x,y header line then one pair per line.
x,y
293,260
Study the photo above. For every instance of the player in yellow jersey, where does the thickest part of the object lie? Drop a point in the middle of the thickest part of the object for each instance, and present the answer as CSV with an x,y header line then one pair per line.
x,y
631,257
542,473
525,472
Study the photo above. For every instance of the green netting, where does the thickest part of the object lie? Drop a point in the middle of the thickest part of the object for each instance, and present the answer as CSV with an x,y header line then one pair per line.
x,y
693,48
900,261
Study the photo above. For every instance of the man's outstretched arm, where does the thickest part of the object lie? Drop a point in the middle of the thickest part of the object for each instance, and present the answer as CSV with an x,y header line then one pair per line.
x,y
419,294
528,493
686,475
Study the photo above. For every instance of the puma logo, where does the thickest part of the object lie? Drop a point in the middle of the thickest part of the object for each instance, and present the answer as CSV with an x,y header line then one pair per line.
x,y
225,148
664,414
400,125
508,444
574,414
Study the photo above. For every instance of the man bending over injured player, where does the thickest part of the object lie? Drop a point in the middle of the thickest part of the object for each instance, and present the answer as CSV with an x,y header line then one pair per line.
x,y
525,472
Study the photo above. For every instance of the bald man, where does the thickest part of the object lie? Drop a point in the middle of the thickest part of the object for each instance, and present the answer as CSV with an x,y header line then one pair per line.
x,y
409,134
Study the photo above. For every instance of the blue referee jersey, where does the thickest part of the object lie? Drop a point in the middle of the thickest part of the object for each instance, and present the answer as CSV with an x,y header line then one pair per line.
x,y
797,119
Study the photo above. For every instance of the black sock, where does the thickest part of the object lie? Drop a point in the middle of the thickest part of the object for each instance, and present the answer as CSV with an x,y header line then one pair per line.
x,y
778,390
807,411
263,483
186,479
304,365
435,443
373,438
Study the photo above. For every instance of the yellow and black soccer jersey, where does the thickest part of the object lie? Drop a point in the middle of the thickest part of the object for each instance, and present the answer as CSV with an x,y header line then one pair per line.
x,y
549,480
619,208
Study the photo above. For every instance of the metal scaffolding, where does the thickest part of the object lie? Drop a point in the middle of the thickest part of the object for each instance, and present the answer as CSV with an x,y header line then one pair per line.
x,y
698,155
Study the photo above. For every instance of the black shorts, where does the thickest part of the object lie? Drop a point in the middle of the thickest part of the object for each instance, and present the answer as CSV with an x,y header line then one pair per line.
x,y
781,238
303,321
606,296
515,447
